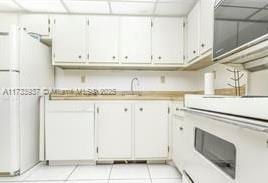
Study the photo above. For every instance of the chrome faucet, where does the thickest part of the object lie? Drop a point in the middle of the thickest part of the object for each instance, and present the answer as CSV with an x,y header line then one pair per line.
x,y
132,84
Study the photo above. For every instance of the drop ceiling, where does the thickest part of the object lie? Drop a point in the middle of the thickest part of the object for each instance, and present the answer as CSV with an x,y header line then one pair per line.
x,y
109,7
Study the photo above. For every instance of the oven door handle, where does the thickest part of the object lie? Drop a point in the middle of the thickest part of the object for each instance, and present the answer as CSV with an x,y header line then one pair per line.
x,y
233,120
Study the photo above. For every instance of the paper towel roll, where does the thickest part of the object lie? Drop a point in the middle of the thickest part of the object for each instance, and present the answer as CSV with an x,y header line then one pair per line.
x,y
209,83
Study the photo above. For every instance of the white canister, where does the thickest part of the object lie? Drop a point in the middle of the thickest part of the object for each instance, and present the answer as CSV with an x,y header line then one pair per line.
x,y
209,83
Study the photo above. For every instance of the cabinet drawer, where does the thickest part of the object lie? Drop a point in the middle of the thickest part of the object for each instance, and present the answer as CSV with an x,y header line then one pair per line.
x,y
69,106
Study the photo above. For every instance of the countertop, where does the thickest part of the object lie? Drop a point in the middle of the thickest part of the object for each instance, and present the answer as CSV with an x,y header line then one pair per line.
x,y
124,95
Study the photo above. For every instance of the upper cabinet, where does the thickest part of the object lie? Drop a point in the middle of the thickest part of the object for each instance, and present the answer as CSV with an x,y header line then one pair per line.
x,y
103,39
200,29
69,39
135,40
206,25
193,20
167,40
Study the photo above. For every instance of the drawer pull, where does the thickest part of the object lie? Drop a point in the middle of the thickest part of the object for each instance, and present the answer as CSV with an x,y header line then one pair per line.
x,y
141,109
181,128
125,109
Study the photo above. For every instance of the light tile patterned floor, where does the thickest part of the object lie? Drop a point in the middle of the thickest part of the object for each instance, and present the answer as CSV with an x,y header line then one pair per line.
x,y
118,173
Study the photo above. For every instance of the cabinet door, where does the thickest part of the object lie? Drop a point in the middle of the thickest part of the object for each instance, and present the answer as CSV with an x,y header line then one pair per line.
x,y
103,39
69,131
178,141
114,131
151,130
69,39
206,26
194,32
135,40
167,40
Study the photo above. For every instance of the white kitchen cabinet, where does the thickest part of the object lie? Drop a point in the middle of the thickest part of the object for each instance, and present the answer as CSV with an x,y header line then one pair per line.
x,y
151,130
167,40
178,141
206,25
193,21
103,39
34,23
114,130
69,130
135,40
69,39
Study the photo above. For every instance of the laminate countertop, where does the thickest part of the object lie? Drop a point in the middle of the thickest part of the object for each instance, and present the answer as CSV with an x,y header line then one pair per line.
x,y
125,95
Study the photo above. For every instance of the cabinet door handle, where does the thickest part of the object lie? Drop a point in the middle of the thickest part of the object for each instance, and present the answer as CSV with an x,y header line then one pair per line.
x,y
141,109
125,109
181,128
159,57
126,57
79,56
203,45
114,57
194,51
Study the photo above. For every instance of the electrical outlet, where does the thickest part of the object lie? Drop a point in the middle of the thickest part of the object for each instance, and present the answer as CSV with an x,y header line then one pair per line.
x,y
83,79
163,79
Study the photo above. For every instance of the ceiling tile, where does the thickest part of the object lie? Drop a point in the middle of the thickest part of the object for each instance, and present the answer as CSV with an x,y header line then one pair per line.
x,y
8,5
134,8
150,1
234,13
178,9
42,5
77,6
178,1
247,3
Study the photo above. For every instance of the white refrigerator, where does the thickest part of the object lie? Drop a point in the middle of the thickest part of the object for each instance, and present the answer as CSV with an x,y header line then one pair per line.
x,y
24,62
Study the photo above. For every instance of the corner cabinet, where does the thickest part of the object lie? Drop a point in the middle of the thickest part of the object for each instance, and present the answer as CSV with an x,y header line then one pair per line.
x,y
135,40
193,20
69,39
167,40
151,124
206,26
200,29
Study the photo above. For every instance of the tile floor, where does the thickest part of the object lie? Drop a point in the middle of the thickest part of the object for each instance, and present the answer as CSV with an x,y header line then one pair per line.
x,y
118,173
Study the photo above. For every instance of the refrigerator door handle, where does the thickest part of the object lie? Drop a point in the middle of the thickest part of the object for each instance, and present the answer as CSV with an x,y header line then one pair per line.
x,y
9,70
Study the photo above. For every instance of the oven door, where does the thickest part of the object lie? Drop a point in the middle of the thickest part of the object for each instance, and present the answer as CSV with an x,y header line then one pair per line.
x,y
205,160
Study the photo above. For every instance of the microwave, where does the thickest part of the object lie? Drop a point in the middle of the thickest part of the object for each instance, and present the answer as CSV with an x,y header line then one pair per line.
x,y
239,24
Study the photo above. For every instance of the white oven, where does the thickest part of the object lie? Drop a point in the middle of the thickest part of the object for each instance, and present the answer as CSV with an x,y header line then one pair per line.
x,y
221,151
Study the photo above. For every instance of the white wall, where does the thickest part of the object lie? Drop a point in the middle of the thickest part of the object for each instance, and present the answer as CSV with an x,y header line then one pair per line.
x,y
7,19
149,80
120,80
258,83
222,77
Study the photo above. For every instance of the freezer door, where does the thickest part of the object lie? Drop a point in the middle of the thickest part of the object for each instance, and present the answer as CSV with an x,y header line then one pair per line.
x,y
9,125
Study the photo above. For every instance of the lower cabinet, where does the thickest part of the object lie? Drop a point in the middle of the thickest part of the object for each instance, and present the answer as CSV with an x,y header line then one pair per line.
x,y
114,130
151,124
178,141
106,130
69,130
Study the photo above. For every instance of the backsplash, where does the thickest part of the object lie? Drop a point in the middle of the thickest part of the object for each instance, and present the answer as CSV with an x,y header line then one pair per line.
x,y
121,80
